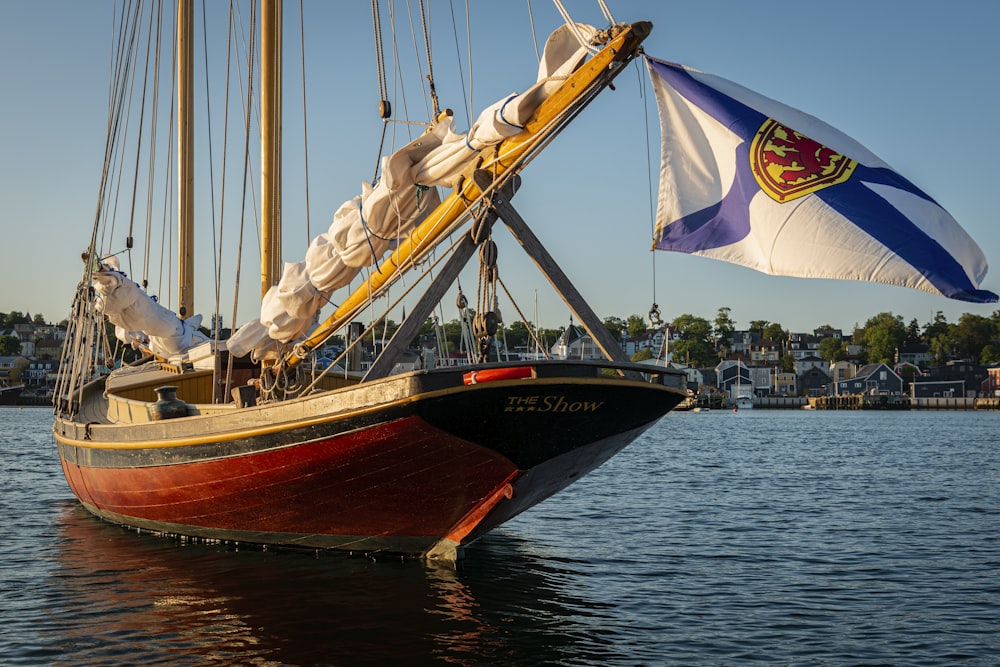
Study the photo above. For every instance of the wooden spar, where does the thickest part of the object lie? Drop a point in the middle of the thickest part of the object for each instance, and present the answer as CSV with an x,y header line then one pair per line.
x,y
576,89
270,143
410,327
548,266
185,158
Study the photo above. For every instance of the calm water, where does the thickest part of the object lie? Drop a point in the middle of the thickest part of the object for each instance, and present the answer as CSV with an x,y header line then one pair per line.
x,y
757,538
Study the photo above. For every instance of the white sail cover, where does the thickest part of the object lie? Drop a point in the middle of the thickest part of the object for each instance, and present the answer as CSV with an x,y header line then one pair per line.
x,y
751,181
139,320
367,226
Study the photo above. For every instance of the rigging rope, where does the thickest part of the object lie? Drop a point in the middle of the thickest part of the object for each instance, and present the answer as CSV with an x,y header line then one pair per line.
x,y
572,26
247,114
430,60
138,153
607,12
217,328
644,94
534,37
211,161
384,106
147,251
466,97
305,124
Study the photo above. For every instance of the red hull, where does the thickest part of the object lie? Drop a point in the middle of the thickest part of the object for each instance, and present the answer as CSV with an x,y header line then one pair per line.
x,y
414,481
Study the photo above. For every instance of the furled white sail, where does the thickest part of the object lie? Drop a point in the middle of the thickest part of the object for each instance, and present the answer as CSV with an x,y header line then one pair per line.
x,y
139,320
365,228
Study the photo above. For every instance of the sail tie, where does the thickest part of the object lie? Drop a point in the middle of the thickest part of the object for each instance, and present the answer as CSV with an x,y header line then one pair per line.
x,y
504,118
368,234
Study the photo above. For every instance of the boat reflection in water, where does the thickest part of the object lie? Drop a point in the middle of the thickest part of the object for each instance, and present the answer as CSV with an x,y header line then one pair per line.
x,y
118,595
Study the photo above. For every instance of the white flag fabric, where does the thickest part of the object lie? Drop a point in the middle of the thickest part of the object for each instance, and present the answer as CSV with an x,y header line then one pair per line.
x,y
749,180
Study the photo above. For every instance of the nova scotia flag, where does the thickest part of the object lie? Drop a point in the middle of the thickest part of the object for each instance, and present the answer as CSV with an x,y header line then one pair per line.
x,y
749,180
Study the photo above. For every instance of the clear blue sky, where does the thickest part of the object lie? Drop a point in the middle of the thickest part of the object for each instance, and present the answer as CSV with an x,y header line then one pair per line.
x,y
915,81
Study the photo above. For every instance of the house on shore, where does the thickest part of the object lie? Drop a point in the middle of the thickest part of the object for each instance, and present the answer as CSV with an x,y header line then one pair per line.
x,y
872,379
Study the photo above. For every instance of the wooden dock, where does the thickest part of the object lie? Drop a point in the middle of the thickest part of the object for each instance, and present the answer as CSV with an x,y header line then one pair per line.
x,y
887,402
861,402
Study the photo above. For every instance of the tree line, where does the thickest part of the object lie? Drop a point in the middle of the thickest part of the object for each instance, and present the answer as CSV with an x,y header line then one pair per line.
x,y
972,337
703,343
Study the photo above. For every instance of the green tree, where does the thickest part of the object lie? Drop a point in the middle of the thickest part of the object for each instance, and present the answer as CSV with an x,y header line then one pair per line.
x,y
788,362
773,331
882,335
636,325
940,349
832,349
972,334
616,326
759,326
12,318
990,354
518,334
724,327
382,331
694,346
936,327
38,319
642,355
10,345
912,333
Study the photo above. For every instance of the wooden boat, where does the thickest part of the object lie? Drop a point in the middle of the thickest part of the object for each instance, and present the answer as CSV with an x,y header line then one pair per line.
x,y
197,440
255,438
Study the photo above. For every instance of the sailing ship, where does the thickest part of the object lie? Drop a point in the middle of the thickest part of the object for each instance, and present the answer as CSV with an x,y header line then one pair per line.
x,y
245,440
253,439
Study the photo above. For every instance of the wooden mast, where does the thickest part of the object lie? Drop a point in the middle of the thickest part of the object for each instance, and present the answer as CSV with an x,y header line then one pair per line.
x,y
270,144
185,158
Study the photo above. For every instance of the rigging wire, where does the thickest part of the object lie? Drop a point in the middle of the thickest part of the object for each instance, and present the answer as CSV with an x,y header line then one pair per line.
x,y
534,37
138,153
607,12
247,176
216,270
169,210
247,99
430,60
152,142
573,27
384,105
416,59
217,325
305,124
129,73
383,92
121,62
467,98
644,94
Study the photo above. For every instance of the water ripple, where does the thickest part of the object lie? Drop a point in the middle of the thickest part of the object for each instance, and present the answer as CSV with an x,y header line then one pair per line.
x,y
757,538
